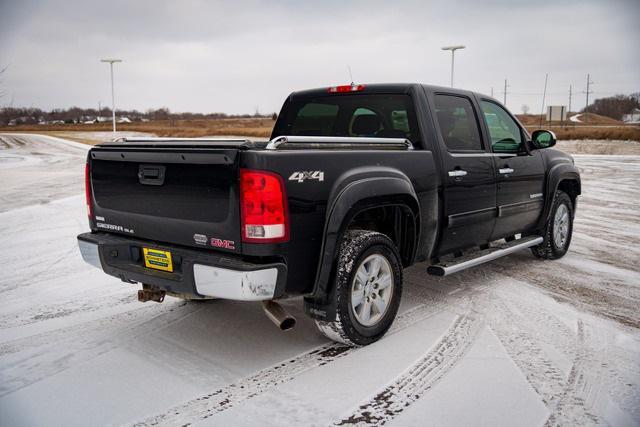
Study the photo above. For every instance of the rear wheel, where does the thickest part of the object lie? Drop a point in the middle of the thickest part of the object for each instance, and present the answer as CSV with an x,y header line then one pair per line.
x,y
558,229
368,288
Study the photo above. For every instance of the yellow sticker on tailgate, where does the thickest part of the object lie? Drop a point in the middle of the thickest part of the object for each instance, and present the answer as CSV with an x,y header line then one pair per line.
x,y
159,260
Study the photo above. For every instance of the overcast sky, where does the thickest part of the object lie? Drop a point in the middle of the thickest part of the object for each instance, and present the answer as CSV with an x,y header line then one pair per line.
x,y
234,56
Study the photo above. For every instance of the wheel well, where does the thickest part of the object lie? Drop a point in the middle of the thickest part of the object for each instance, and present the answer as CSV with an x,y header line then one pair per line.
x,y
398,222
571,187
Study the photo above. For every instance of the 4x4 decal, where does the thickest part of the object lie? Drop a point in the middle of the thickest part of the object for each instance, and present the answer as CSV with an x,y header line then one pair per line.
x,y
304,175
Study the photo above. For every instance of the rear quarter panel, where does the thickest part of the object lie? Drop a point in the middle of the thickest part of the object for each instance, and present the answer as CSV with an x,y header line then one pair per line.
x,y
311,198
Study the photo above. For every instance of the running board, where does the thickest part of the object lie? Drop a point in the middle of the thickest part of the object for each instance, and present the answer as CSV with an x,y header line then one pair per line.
x,y
486,255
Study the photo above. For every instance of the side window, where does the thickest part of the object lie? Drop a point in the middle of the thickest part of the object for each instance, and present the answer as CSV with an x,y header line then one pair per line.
x,y
458,124
400,120
506,136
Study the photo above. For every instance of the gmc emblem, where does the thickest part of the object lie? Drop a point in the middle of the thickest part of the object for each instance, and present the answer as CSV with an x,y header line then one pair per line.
x,y
224,244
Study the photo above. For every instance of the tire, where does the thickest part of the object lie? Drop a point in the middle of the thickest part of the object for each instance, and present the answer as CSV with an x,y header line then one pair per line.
x,y
361,253
558,229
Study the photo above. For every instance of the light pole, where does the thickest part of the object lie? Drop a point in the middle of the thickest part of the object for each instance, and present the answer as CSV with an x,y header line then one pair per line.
x,y
453,53
113,98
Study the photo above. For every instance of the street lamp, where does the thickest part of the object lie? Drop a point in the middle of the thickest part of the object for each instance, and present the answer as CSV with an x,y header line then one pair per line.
x,y
113,99
453,52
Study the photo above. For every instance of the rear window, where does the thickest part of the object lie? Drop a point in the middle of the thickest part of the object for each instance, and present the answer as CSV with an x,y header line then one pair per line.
x,y
377,116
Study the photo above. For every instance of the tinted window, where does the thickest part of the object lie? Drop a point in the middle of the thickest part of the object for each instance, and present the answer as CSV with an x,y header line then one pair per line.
x,y
315,119
505,133
375,115
458,124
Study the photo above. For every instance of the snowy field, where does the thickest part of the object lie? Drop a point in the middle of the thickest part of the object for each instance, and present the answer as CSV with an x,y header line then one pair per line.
x,y
516,342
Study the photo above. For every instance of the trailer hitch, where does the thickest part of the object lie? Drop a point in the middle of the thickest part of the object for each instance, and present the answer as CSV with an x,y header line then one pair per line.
x,y
149,293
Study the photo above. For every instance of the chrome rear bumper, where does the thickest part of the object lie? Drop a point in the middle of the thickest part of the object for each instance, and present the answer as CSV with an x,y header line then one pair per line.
x,y
198,273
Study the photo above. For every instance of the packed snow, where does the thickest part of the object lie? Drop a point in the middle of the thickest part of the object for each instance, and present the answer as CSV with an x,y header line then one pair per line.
x,y
516,342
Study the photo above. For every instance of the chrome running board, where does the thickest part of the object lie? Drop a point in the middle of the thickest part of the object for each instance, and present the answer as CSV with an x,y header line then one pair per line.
x,y
486,255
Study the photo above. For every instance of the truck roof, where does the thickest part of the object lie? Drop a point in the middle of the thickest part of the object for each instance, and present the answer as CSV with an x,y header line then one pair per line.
x,y
381,88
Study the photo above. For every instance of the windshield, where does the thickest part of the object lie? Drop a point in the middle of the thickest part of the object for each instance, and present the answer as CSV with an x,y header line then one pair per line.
x,y
376,115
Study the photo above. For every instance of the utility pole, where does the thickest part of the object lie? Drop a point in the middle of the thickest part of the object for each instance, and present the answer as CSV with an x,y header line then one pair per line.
x,y
569,99
113,98
504,101
492,91
586,107
544,95
453,51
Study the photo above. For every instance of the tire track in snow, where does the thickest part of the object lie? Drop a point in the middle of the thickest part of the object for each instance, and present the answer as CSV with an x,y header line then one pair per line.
x,y
517,328
431,300
71,346
419,378
571,406
233,394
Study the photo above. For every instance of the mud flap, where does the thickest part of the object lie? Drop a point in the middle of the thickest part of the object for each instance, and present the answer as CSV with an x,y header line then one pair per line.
x,y
320,310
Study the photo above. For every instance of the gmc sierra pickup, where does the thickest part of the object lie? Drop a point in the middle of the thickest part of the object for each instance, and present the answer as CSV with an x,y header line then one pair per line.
x,y
356,183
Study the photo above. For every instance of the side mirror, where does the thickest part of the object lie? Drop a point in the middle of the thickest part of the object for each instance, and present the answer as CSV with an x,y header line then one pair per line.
x,y
543,138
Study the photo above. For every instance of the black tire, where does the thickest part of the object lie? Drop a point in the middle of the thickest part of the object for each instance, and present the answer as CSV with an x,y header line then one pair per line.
x,y
550,248
357,247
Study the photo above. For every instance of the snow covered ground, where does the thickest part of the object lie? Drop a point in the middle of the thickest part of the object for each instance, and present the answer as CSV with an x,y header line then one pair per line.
x,y
515,342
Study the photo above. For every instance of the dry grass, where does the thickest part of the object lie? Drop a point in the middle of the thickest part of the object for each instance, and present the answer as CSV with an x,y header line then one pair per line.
x,y
257,127
261,128
590,118
621,133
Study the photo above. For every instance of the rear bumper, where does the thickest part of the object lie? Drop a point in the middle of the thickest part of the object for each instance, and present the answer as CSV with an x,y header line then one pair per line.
x,y
197,273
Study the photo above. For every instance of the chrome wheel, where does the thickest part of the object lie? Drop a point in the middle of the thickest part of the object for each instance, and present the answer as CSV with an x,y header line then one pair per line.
x,y
371,290
561,226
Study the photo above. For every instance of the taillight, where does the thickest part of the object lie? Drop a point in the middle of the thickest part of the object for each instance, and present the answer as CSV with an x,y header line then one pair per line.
x,y
87,190
263,206
345,88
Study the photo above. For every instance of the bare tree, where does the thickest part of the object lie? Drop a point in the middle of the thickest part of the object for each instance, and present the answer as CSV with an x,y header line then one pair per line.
x,y
525,109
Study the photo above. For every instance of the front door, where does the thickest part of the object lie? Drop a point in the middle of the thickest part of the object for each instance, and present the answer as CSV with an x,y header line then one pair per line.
x,y
520,175
468,175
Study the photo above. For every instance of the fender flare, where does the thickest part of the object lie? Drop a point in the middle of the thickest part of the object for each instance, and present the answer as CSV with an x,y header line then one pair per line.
x,y
352,198
557,174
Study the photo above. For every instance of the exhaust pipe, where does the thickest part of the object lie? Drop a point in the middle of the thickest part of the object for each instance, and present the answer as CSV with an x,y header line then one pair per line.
x,y
278,315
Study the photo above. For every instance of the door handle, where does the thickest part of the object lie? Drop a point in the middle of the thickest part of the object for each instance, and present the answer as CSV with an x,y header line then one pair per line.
x,y
505,171
457,173
151,174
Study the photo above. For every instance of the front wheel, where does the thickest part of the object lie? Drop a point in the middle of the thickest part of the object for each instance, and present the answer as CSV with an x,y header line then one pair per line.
x,y
558,229
368,288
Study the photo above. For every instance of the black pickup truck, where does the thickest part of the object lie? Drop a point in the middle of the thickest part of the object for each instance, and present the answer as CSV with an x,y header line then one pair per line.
x,y
356,183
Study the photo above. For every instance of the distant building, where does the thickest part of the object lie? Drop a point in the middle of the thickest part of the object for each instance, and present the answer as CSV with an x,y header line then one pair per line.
x,y
633,117
556,113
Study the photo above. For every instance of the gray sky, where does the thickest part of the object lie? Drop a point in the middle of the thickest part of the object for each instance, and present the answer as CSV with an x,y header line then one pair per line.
x,y
234,56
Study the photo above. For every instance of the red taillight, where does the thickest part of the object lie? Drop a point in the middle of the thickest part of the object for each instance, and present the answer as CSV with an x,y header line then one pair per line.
x,y
263,205
345,88
87,190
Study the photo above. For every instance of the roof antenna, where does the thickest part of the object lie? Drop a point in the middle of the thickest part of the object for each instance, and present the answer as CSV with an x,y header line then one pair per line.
x,y
350,75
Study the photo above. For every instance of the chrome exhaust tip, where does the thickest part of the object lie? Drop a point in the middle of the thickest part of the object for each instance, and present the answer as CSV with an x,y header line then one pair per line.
x,y
278,315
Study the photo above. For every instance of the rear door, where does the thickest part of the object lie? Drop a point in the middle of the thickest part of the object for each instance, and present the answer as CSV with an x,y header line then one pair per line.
x,y
173,194
468,174
520,175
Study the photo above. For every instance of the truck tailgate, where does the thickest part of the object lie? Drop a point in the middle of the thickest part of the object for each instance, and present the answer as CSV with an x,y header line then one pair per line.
x,y
181,194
